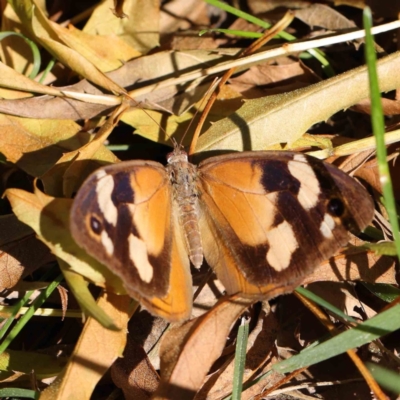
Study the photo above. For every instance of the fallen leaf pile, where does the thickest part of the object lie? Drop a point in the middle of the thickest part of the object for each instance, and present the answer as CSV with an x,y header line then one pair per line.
x,y
87,84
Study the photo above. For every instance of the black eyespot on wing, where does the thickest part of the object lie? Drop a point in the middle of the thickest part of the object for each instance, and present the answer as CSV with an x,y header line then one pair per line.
x,y
95,225
336,207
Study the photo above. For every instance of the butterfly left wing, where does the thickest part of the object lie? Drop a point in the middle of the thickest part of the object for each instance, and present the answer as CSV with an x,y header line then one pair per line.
x,y
123,217
269,218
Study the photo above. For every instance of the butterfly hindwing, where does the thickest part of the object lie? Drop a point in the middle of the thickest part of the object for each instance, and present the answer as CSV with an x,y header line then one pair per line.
x,y
269,218
123,217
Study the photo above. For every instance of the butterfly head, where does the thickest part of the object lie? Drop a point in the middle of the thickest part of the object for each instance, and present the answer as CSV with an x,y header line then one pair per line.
x,y
177,156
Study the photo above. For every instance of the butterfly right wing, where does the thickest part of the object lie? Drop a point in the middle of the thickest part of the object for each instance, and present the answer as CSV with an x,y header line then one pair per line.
x,y
269,218
123,217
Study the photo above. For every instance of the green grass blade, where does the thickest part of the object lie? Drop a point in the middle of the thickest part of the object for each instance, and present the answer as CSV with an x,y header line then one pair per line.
x,y
323,303
18,393
378,128
380,325
28,315
240,360
388,379
35,51
384,291
318,54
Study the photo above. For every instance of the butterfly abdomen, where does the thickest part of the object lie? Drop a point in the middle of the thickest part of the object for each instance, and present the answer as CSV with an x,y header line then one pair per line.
x,y
183,176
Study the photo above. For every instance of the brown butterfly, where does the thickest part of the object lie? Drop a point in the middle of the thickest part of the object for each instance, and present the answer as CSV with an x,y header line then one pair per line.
x,y
262,220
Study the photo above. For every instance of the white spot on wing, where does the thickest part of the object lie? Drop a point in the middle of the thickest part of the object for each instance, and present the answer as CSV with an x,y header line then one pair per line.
x,y
100,174
282,244
300,157
107,242
139,257
104,189
327,226
309,185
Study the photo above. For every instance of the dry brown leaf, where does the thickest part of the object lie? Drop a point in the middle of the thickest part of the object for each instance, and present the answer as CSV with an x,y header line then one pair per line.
x,y
262,384
105,52
370,174
11,79
324,16
45,34
287,74
177,15
138,32
356,265
54,179
389,107
262,6
188,351
53,108
259,346
21,258
35,145
21,252
157,66
146,331
134,374
354,163
343,297
94,353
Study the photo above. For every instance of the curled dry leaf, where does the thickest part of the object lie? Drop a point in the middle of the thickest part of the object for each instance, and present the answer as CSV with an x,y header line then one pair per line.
x,y
259,347
370,172
188,351
21,252
134,373
21,258
44,32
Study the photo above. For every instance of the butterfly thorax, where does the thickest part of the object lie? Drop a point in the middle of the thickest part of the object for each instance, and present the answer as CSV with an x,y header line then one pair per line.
x,y
183,176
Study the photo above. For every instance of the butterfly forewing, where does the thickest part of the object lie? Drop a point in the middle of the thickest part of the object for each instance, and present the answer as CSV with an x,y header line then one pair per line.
x,y
123,217
269,218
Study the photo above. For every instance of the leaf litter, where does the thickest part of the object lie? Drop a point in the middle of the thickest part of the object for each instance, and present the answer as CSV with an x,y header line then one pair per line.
x,y
47,133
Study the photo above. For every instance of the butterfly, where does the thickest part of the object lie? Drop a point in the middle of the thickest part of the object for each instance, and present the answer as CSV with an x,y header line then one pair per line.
x,y
262,220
